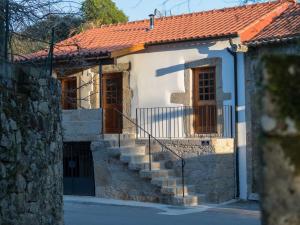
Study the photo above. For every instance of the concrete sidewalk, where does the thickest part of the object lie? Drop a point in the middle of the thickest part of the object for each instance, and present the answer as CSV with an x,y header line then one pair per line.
x,y
95,211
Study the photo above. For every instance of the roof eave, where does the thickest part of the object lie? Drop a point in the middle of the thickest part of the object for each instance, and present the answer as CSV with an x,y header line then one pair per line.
x,y
66,58
276,40
206,38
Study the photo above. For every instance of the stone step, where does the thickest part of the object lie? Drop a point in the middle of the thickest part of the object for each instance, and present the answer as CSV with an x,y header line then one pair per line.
x,y
201,198
123,143
134,158
145,166
155,148
188,200
170,181
133,150
156,173
174,190
160,155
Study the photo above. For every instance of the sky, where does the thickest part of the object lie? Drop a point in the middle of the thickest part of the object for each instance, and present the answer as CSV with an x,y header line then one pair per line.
x,y
140,9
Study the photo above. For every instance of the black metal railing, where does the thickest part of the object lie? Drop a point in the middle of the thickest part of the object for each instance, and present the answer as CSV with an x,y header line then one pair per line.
x,y
151,137
184,121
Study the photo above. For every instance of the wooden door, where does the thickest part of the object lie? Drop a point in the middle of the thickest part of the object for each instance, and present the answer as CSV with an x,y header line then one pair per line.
x,y
204,100
112,99
69,93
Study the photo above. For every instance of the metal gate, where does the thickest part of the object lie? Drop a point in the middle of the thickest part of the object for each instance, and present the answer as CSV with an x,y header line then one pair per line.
x,y
78,169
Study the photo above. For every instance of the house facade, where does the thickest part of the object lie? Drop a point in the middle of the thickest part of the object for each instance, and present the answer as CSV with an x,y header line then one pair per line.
x,y
169,97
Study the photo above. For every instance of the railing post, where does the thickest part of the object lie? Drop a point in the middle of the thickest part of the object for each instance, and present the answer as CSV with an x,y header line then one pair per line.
x,y
149,150
119,136
136,125
231,124
182,176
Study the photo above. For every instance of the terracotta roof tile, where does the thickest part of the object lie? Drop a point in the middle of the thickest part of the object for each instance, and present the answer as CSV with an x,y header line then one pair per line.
x,y
235,21
285,26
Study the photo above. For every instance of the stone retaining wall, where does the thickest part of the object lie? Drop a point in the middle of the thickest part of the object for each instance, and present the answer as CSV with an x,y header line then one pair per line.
x,y
30,153
210,166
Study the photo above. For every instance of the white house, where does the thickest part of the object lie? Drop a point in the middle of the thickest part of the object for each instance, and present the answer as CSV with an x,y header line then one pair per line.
x,y
179,81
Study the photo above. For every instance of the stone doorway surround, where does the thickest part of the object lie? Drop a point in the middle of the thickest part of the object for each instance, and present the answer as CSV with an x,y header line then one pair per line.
x,y
186,98
123,68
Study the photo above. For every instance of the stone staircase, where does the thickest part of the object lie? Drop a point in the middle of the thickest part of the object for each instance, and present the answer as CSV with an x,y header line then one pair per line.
x,y
137,158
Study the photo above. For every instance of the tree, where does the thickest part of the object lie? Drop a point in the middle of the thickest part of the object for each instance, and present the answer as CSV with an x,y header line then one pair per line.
x,y
102,12
30,23
65,25
40,32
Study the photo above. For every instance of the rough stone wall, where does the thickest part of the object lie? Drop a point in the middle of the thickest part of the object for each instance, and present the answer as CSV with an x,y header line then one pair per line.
x,y
210,167
253,78
30,152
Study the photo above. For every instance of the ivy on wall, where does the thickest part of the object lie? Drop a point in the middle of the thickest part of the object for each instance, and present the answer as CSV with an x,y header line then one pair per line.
x,y
284,84
283,87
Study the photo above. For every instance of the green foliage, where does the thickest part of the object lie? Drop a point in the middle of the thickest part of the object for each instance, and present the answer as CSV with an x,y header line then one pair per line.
x,y
23,45
64,26
291,149
38,36
102,12
284,84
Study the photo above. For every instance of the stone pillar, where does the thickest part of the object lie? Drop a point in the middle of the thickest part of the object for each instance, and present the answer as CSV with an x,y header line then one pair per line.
x,y
280,141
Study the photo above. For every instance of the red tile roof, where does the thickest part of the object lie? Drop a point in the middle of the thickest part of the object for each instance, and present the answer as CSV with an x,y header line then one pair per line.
x,y
243,21
284,27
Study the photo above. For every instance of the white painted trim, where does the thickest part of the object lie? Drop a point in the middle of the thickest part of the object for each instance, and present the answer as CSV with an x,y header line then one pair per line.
x,y
241,108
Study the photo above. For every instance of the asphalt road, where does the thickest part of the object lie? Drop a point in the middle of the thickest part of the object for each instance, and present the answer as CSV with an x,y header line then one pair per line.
x,y
78,213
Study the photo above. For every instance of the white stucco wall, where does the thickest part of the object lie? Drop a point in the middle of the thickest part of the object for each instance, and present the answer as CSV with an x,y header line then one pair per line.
x,y
151,89
159,71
